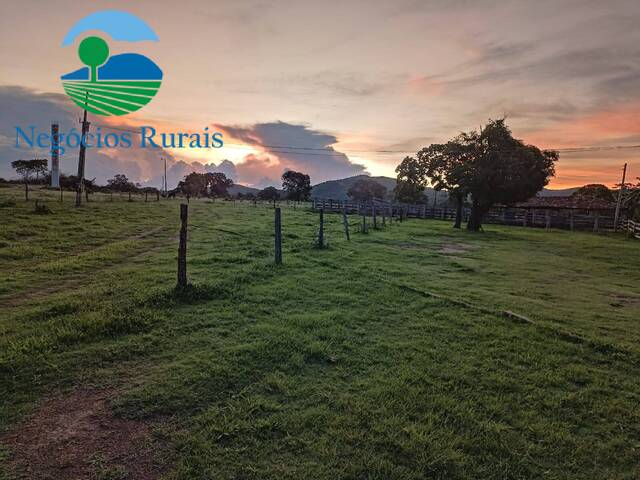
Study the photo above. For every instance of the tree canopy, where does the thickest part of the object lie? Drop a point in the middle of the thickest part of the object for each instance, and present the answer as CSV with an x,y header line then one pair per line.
x,y
491,166
205,185
120,183
27,168
269,193
365,190
595,191
296,185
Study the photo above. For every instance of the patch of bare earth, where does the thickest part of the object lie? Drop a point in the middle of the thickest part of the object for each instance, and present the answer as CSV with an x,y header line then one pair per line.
x,y
455,248
76,436
621,300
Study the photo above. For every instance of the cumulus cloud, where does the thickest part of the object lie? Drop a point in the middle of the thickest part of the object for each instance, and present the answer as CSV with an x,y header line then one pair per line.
x,y
25,108
321,161
284,146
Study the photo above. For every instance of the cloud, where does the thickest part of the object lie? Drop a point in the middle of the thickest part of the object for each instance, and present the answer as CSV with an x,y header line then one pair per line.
x,y
284,146
25,108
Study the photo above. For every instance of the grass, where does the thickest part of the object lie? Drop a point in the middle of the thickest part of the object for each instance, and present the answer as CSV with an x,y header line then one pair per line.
x,y
338,363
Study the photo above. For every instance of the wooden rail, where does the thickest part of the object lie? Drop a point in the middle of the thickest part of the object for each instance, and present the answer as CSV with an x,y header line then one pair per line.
x,y
569,219
632,228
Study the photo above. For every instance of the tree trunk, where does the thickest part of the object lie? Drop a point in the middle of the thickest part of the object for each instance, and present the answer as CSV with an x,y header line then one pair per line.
x,y
475,218
26,192
459,204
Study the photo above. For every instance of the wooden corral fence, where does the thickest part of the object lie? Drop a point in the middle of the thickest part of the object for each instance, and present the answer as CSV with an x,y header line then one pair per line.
x,y
563,218
632,228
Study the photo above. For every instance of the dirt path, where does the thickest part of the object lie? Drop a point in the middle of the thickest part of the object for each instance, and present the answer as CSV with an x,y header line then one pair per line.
x,y
76,436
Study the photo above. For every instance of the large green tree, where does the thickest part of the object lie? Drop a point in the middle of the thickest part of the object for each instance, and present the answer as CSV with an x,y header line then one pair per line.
x,y
411,181
217,184
490,166
296,185
27,169
445,167
502,169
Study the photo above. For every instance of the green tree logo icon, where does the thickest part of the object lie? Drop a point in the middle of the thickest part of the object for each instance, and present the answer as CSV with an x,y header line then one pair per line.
x,y
113,81
93,52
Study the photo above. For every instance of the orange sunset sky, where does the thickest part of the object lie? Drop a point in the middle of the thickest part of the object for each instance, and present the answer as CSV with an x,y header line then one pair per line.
x,y
355,77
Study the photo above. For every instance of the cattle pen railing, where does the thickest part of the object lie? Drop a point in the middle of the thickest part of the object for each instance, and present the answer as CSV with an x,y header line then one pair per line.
x,y
562,218
632,228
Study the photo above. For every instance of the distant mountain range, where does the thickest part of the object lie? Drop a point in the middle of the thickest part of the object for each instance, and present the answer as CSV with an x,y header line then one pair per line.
x,y
337,189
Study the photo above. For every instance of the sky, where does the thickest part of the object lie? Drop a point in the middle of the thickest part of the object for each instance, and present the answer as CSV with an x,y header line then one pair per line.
x,y
349,79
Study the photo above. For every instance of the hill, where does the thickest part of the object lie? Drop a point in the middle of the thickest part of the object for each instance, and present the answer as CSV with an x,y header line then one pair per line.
x,y
235,189
565,192
337,189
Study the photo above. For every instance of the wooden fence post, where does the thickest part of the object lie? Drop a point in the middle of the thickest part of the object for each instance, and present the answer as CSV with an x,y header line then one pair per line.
x,y
596,221
278,236
524,218
345,221
182,249
571,220
547,219
364,223
373,214
321,230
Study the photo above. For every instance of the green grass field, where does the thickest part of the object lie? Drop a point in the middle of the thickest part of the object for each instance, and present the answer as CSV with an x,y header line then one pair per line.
x,y
338,364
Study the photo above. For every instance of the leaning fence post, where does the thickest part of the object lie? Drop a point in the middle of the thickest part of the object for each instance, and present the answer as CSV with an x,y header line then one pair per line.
x,y
278,236
345,221
182,249
321,230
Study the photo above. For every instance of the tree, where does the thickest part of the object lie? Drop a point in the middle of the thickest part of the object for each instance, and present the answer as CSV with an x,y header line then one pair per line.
x,y
594,191
502,169
411,181
365,190
27,168
120,183
269,193
631,201
491,166
194,184
217,184
444,166
296,185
